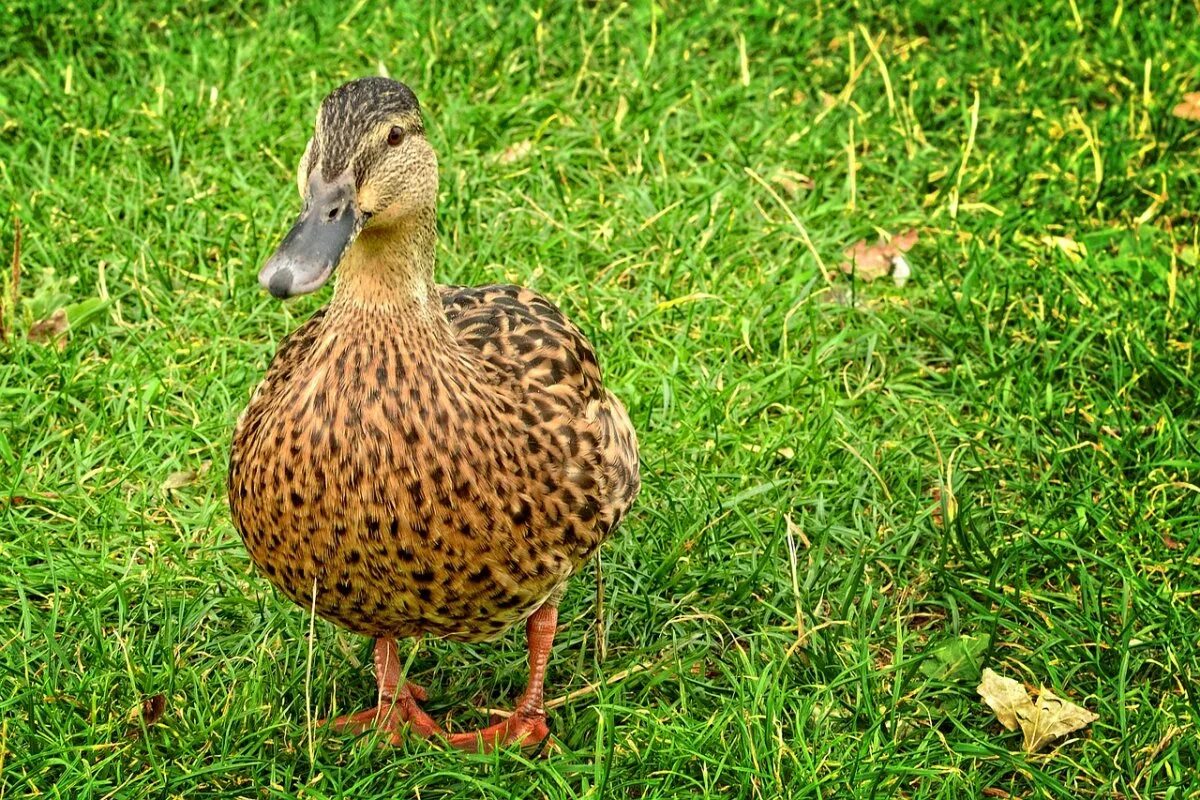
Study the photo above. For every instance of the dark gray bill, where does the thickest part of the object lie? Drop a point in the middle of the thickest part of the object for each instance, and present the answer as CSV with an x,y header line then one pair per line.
x,y
316,243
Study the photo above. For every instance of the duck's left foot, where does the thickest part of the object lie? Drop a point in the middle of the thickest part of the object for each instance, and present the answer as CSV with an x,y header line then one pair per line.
x,y
399,703
395,712
528,729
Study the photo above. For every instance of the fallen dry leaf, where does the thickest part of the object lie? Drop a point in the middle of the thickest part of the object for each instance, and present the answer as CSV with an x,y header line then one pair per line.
x,y
151,712
153,708
177,480
1073,250
905,241
1189,108
868,262
515,152
945,505
1054,719
1050,718
793,183
1007,698
51,330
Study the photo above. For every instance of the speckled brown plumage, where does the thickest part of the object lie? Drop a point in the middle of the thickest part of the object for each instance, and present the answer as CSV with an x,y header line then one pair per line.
x,y
424,459
440,478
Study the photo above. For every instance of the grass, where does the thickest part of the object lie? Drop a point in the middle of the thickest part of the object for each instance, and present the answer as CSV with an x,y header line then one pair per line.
x,y
840,477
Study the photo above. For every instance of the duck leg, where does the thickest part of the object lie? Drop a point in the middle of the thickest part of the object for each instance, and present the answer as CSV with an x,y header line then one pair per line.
x,y
527,725
398,702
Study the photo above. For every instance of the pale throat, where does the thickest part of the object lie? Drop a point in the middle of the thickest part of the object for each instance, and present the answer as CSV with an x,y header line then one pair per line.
x,y
391,268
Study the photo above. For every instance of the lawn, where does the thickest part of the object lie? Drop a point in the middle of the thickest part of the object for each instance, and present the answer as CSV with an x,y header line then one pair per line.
x,y
842,477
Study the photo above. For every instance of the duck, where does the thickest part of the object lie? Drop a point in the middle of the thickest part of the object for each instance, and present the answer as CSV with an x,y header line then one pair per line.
x,y
420,459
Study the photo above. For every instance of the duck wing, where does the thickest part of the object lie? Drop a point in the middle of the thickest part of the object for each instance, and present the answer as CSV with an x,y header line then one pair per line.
x,y
527,339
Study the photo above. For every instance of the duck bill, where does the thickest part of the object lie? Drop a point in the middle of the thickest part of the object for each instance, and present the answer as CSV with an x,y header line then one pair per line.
x,y
312,249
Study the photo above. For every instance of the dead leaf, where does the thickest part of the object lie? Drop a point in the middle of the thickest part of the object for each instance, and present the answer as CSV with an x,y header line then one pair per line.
x,y
793,183
1050,718
153,708
186,477
1054,719
151,712
1170,542
1189,108
868,262
945,505
515,152
1007,698
51,330
177,480
1073,250
905,241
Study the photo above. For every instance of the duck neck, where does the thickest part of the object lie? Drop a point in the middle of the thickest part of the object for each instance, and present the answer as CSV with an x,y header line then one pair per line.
x,y
390,270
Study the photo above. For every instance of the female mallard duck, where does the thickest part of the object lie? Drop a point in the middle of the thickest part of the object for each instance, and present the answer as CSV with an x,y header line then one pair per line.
x,y
420,459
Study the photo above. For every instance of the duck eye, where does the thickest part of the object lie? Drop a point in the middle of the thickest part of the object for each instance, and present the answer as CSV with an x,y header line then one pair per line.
x,y
395,136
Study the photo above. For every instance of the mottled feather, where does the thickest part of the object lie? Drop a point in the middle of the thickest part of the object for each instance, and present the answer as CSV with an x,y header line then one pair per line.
x,y
442,476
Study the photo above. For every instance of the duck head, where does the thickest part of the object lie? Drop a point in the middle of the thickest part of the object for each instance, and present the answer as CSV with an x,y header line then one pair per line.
x,y
367,168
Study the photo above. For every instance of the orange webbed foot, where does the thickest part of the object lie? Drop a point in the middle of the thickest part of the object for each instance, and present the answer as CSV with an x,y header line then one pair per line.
x,y
392,716
527,729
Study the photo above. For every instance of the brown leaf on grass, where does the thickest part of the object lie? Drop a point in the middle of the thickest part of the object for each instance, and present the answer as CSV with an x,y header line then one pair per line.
x,y
177,480
1073,250
869,262
151,712
153,708
1055,718
793,183
51,330
1170,542
515,152
21,500
905,241
186,477
945,504
1041,723
1007,698
1189,108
